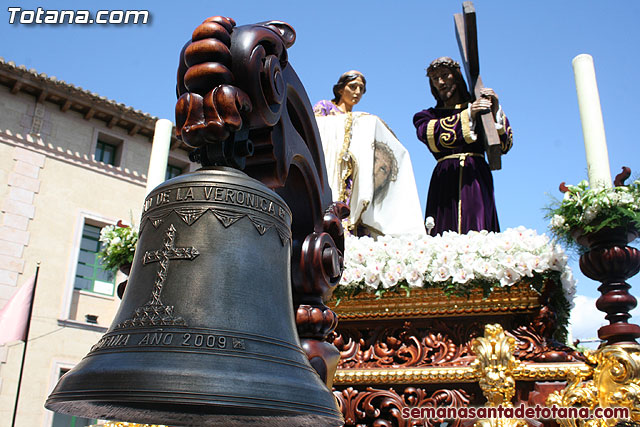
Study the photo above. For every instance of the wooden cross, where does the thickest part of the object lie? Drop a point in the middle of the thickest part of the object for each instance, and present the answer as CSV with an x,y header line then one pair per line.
x,y
467,35
169,251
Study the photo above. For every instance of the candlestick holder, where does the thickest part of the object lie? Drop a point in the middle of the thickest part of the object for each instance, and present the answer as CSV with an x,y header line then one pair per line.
x,y
614,380
611,261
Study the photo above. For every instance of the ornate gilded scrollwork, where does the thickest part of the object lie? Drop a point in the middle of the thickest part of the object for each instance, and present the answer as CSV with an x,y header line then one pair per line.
x,y
495,366
617,377
615,383
578,393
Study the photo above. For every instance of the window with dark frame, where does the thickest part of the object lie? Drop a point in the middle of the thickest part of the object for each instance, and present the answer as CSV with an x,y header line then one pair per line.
x,y
90,276
172,171
106,153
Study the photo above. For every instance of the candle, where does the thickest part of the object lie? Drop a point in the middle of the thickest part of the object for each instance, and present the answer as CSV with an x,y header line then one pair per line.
x,y
595,142
159,154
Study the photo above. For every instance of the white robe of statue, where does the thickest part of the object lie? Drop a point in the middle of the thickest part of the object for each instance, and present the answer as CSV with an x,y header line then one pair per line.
x,y
395,211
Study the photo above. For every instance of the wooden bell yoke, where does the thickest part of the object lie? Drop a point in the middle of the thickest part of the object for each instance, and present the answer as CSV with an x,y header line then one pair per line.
x,y
242,105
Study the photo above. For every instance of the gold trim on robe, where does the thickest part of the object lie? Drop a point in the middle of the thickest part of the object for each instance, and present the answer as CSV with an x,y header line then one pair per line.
x,y
466,127
502,130
431,140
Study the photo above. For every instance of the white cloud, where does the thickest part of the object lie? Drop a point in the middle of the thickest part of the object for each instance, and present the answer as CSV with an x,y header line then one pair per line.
x,y
586,319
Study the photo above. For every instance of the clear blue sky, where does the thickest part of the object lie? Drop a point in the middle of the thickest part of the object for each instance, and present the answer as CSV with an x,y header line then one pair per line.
x,y
525,55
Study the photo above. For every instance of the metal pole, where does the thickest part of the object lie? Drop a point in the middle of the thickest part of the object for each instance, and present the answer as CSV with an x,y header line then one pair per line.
x,y
24,350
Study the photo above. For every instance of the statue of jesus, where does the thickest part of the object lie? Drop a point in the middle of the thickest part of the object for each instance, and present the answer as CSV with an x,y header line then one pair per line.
x,y
461,196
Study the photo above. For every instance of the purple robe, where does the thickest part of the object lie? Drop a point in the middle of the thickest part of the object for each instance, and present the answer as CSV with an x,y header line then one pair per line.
x,y
459,200
326,108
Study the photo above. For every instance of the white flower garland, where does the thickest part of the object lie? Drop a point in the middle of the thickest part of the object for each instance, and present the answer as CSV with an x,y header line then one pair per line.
x,y
504,258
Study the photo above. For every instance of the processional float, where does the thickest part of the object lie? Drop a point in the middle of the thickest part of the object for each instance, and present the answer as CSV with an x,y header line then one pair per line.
x,y
206,332
432,350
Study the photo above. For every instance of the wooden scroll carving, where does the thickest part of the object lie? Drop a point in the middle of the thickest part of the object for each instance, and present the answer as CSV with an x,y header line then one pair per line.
x,y
383,408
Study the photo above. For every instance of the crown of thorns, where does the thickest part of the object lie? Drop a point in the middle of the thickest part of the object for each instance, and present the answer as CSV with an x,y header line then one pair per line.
x,y
393,173
442,62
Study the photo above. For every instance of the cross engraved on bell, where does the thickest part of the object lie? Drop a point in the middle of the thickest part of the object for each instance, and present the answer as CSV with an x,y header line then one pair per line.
x,y
154,312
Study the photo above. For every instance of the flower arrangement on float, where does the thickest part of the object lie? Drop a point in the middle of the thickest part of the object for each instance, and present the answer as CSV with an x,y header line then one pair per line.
x,y
589,210
118,246
458,264
452,261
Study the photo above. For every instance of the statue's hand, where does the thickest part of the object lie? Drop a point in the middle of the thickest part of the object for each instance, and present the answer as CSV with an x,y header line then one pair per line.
x,y
209,108
480,106
488,93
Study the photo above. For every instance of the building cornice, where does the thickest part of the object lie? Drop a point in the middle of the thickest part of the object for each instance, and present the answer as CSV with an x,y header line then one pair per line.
x,y
36,144
69,97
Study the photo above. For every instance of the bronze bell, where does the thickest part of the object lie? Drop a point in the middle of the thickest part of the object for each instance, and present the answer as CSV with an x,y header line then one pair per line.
x,y
205,333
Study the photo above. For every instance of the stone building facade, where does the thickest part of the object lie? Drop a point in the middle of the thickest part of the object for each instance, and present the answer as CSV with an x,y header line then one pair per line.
x,y
71,162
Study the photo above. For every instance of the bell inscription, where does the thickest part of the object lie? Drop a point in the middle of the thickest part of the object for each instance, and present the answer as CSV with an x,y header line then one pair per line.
x,y
228,204
221,194
199,340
